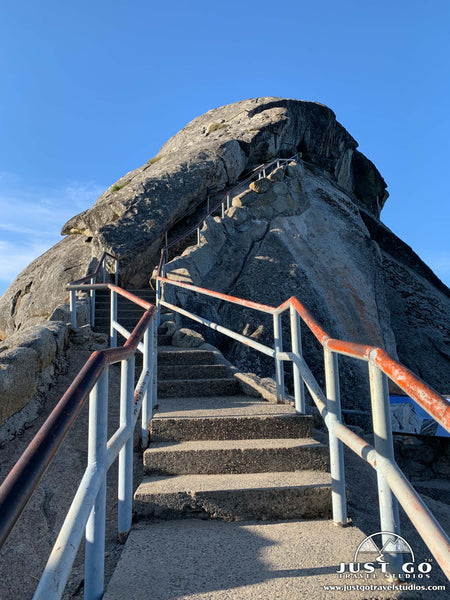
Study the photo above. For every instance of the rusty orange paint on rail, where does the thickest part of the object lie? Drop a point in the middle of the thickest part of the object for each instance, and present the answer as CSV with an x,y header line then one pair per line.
x,y
436,405
219,295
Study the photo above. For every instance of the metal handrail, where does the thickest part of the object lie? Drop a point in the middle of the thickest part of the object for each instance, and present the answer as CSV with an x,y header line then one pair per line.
x,y
19,485
391,479
261,169
226,198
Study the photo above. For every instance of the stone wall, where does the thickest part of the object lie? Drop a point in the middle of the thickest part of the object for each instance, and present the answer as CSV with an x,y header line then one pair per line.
x,y
30,359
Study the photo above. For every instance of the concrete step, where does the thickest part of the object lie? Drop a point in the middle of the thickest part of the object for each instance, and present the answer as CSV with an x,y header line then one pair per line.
x,y
261,496
234,427
192,371
170,355
235,456
182,388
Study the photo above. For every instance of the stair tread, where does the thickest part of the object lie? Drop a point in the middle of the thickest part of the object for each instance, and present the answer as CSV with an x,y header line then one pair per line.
x,y
195,445
196,380
157,484
238,405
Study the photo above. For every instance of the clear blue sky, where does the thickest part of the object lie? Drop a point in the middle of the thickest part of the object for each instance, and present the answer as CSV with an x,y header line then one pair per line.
x,y
91,90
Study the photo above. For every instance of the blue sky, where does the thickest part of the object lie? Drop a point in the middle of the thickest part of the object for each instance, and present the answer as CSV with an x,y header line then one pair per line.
x,y
91,90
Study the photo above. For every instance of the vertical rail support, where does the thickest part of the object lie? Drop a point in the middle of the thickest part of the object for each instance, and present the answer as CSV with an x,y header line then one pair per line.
x,y
382,429
147,401
73,308
228,201
154,362
113,319
94,564
104,271
125,483
278,347
166,239
337,469
116,272
198,236
223,210
299,387
158,303
92,294
278,163
207,206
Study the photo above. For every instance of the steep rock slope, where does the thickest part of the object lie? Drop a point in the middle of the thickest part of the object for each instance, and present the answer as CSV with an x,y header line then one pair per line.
x,y
208,155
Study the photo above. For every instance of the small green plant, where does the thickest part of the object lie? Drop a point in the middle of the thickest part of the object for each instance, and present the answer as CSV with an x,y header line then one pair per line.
x,y
118,186
216,126
154,160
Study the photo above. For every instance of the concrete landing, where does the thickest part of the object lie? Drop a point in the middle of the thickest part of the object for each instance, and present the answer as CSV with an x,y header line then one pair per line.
x,y
213,560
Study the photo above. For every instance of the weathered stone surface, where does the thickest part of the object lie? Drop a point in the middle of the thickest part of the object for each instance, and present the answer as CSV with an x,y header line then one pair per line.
x,y
37,337
208,155
187,338
40,287
28,363
18,382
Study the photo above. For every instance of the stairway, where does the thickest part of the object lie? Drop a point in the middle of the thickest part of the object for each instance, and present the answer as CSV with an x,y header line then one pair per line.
x,y
128,313
216,453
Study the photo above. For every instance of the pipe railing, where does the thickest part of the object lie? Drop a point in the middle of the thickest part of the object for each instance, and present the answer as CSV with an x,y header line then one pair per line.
x,y
225,202
392,483
88,509
91,278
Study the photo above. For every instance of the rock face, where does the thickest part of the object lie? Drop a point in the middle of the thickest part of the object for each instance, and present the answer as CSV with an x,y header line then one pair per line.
x,y
311,229
209,154
41,287
298,233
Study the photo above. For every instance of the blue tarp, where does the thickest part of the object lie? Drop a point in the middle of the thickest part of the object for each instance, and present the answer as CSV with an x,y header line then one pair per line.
x,y
413,419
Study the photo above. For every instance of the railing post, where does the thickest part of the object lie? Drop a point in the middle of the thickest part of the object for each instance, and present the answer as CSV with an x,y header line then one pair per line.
x,y
299,387
382,429
154,359
147,401
337,469
113,317
125,484
278,347
158,302
166,239
94,564
228,201
104,270
73,308
223,209
116,272
198,236
92,293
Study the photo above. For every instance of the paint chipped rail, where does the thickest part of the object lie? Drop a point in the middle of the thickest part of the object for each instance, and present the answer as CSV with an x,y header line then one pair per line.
x,y
89,504
392,483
